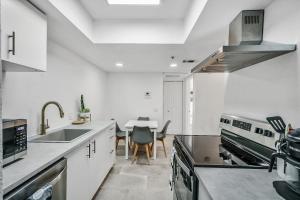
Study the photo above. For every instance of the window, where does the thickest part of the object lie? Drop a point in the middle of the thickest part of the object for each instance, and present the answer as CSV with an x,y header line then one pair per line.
x,y
133,2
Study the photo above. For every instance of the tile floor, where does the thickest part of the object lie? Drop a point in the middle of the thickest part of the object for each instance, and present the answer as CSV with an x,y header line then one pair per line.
x,y
139,181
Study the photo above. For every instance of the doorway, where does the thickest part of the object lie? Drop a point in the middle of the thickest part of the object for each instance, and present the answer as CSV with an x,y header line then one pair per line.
x,y
173,106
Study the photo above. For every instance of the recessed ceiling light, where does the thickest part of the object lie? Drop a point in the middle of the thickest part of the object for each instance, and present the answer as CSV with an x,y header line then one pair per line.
x,y
173,65
119,64
133,2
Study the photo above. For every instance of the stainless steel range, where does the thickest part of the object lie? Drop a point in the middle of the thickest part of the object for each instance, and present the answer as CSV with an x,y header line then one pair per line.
x,y
241,143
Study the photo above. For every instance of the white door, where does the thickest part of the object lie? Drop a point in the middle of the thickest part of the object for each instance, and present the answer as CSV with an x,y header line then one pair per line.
x,y
173,106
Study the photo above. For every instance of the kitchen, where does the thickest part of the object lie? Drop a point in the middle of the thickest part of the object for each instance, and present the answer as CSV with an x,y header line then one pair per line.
x,y
101,51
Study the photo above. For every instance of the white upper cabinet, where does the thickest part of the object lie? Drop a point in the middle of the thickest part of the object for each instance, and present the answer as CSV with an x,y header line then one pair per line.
x,y
23,36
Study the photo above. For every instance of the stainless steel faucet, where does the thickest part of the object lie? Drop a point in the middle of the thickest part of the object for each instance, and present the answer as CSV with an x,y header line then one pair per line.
x,y
46,126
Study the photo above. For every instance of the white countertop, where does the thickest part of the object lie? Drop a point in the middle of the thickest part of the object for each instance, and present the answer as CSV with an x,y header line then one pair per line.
x,y
237,184
41,155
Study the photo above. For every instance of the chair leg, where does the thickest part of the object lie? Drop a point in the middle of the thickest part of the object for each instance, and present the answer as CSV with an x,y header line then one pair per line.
x,y
132,147
163,142
134,154
129,147
131,142
150,151
147,152
151,147
117,142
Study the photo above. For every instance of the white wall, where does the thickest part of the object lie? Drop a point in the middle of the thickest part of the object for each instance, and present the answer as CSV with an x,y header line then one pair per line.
x,y
271,87
68,76
187,110
209,92
74,11
139,31
126,96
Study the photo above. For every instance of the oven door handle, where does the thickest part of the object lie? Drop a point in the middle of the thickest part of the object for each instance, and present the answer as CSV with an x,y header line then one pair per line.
x,y
182,165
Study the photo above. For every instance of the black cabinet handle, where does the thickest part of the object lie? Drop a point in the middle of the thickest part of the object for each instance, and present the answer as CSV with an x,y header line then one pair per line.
x,y
89,154
13,50
94,142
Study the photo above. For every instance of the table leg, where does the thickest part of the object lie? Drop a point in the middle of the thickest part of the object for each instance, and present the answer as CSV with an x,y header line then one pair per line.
x,y
126,144
154,144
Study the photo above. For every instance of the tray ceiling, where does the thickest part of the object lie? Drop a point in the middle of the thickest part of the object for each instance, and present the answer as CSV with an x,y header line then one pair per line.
x,y
168,9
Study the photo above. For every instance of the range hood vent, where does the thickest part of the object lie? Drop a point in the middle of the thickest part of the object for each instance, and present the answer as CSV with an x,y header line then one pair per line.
x,y
246,46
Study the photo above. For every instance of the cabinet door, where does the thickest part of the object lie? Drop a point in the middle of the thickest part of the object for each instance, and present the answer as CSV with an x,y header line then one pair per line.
x,y
30,28
108,155
102,158
78,174
96,163
111,135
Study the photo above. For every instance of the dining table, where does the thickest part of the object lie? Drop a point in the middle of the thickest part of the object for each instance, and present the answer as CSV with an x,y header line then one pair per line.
x,y
153,125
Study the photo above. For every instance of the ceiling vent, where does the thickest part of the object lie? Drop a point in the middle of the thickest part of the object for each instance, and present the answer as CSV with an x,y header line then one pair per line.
x,y
188,61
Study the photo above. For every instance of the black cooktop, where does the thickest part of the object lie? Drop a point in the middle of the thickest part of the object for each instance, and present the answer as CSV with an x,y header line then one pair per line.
x,y
202,150
213,151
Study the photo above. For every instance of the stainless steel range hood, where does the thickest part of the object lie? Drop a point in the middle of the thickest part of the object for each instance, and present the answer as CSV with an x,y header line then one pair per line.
x,y
246,46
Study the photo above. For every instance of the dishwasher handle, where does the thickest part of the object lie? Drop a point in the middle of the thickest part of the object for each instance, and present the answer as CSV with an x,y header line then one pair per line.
x,y
58,177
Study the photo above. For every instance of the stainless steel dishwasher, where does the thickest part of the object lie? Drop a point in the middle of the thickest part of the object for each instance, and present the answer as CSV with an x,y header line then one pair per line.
x,y
50,184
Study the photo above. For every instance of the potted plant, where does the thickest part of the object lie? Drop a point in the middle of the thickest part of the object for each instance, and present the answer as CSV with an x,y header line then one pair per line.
x,y
84,111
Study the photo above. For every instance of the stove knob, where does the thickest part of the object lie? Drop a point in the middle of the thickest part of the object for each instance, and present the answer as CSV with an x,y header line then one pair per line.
x,y
226,121
259,130
268,133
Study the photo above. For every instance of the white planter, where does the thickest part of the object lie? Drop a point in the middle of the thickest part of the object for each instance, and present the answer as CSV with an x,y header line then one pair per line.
x,y
85,115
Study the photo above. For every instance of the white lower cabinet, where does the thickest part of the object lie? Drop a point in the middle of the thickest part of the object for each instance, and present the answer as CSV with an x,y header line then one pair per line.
x,y
89,165
77,174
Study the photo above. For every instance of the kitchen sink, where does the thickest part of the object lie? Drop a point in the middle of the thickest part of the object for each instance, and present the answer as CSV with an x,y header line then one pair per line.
x,y
61,136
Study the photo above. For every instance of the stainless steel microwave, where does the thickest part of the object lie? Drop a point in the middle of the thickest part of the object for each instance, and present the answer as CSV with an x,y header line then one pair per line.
x,y
14,139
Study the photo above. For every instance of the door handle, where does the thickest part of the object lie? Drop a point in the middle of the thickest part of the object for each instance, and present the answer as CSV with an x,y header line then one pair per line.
x,y
13,37
182,165
89,151
94,142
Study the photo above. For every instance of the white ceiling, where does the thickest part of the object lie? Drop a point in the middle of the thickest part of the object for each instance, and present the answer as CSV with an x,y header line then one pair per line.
x,y
168,9
209,32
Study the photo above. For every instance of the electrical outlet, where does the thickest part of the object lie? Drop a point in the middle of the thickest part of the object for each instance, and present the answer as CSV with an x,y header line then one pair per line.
x,y
70,116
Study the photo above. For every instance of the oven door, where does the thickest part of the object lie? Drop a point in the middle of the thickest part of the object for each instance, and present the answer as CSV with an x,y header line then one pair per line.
x,y
183,180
